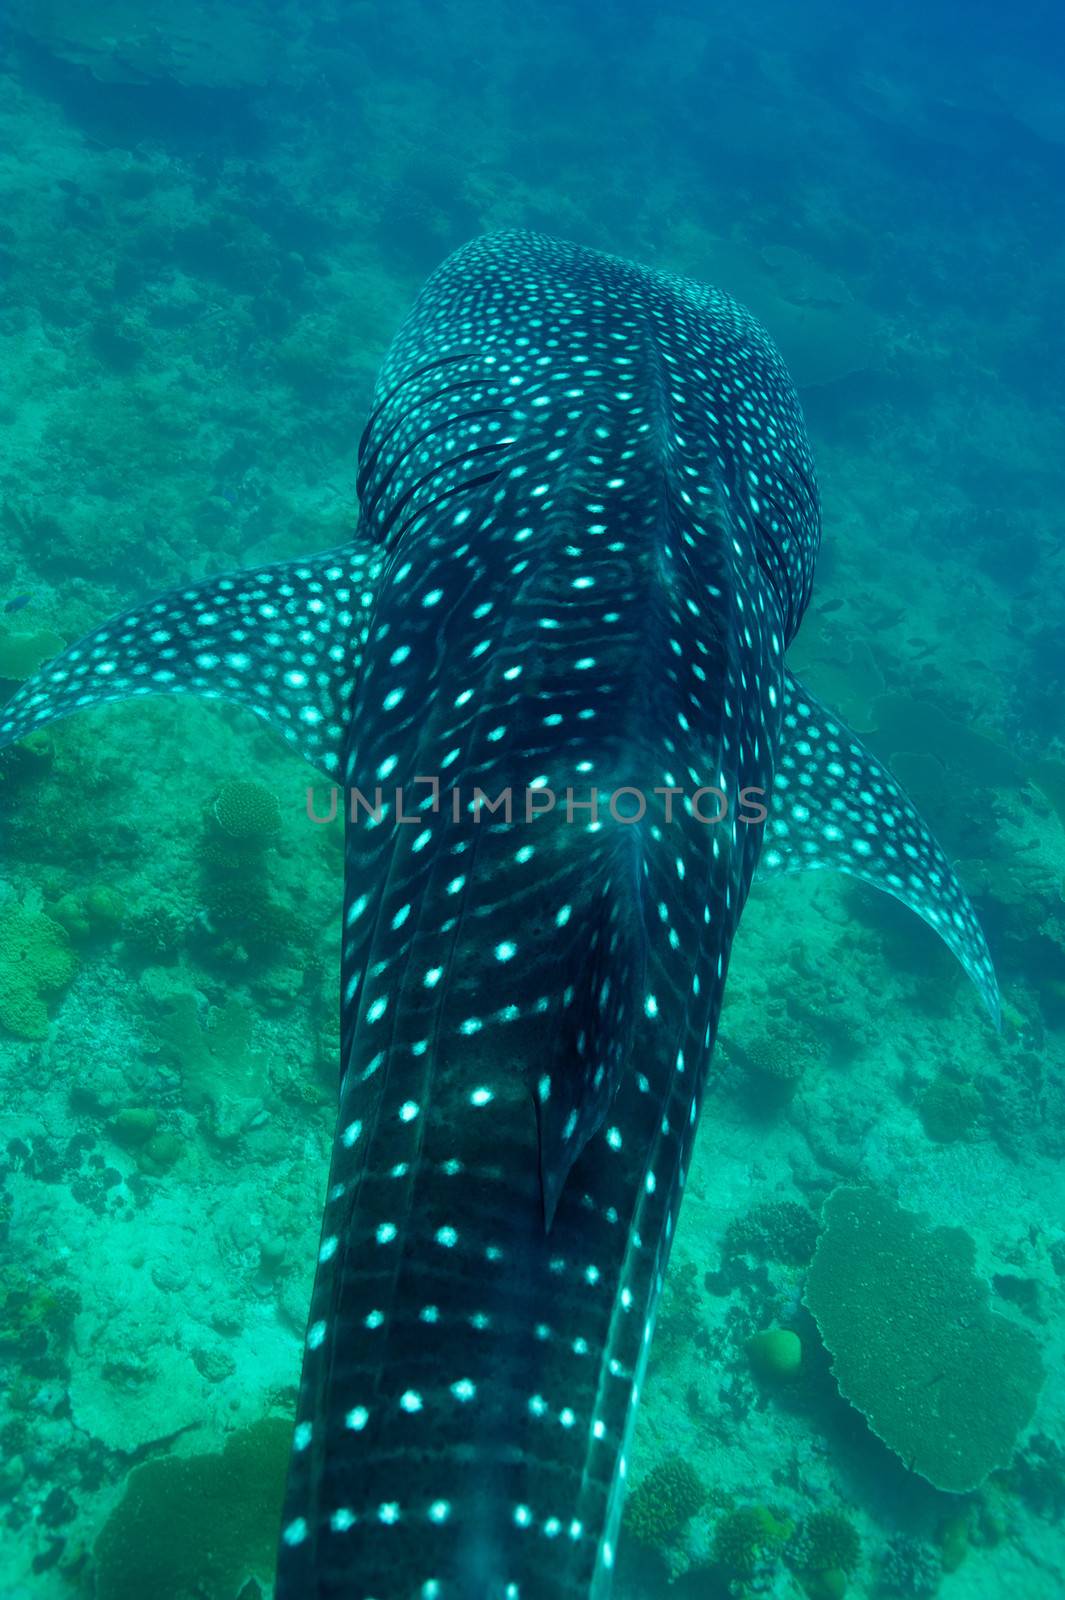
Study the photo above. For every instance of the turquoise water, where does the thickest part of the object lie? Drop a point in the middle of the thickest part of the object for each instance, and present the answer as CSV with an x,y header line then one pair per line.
x,y
212,226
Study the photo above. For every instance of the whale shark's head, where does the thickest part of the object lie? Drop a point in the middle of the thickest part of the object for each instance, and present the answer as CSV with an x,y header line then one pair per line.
x,y
548,677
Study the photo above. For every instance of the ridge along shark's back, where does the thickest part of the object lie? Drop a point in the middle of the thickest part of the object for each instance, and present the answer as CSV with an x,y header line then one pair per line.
x,y
588,532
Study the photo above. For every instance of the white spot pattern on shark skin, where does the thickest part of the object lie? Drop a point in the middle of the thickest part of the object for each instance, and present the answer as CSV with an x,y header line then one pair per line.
x,y
209,640
622,444
856,819
587,535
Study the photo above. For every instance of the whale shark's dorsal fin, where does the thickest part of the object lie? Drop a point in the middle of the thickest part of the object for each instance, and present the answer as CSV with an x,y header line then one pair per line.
x,y
283,640
835,806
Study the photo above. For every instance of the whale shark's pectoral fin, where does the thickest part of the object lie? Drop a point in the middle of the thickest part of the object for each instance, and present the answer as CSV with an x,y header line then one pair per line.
x,y
834,805
282,640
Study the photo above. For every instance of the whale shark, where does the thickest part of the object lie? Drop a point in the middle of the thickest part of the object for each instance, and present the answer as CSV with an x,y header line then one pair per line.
x,y
548,675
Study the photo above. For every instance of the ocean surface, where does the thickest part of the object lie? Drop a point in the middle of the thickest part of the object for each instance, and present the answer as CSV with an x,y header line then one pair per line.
x,y
213,216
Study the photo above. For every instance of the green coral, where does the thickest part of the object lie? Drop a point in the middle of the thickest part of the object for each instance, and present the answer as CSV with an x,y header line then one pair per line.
x,y
97,911
943,1380
134,1126
825,1541
953,1540
242,909
197,1525
160,1154
36,1321
247,811
949,1108
242,821
746,1536
214,1054
775,1064
35,962
155,931
1038,1477
775,1354
679,1313
775,1230
657,1510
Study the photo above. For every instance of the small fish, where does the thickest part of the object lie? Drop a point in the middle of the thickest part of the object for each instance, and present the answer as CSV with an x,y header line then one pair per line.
x,y
17,603
588,530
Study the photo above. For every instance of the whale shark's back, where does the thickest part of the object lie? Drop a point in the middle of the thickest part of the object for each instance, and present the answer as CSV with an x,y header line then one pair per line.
x,y
592,489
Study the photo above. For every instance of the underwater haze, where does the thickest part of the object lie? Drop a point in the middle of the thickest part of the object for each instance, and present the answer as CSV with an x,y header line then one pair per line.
x,y
215,217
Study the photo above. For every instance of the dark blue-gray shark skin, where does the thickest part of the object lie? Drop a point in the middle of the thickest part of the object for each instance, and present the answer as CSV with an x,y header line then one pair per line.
x,y
588,526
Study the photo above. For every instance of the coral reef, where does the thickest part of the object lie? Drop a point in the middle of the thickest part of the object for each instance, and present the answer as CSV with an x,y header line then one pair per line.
x,y
745,1536
660,1505
775,1354
36,962
135,43
245,922
222,1074
943,1380
246,811
949,1108
94,912
36,1320
774,1230
199,1524
953,1540
775,1064
679,1318
910,1568
824,1541
134,1126
1038,1475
